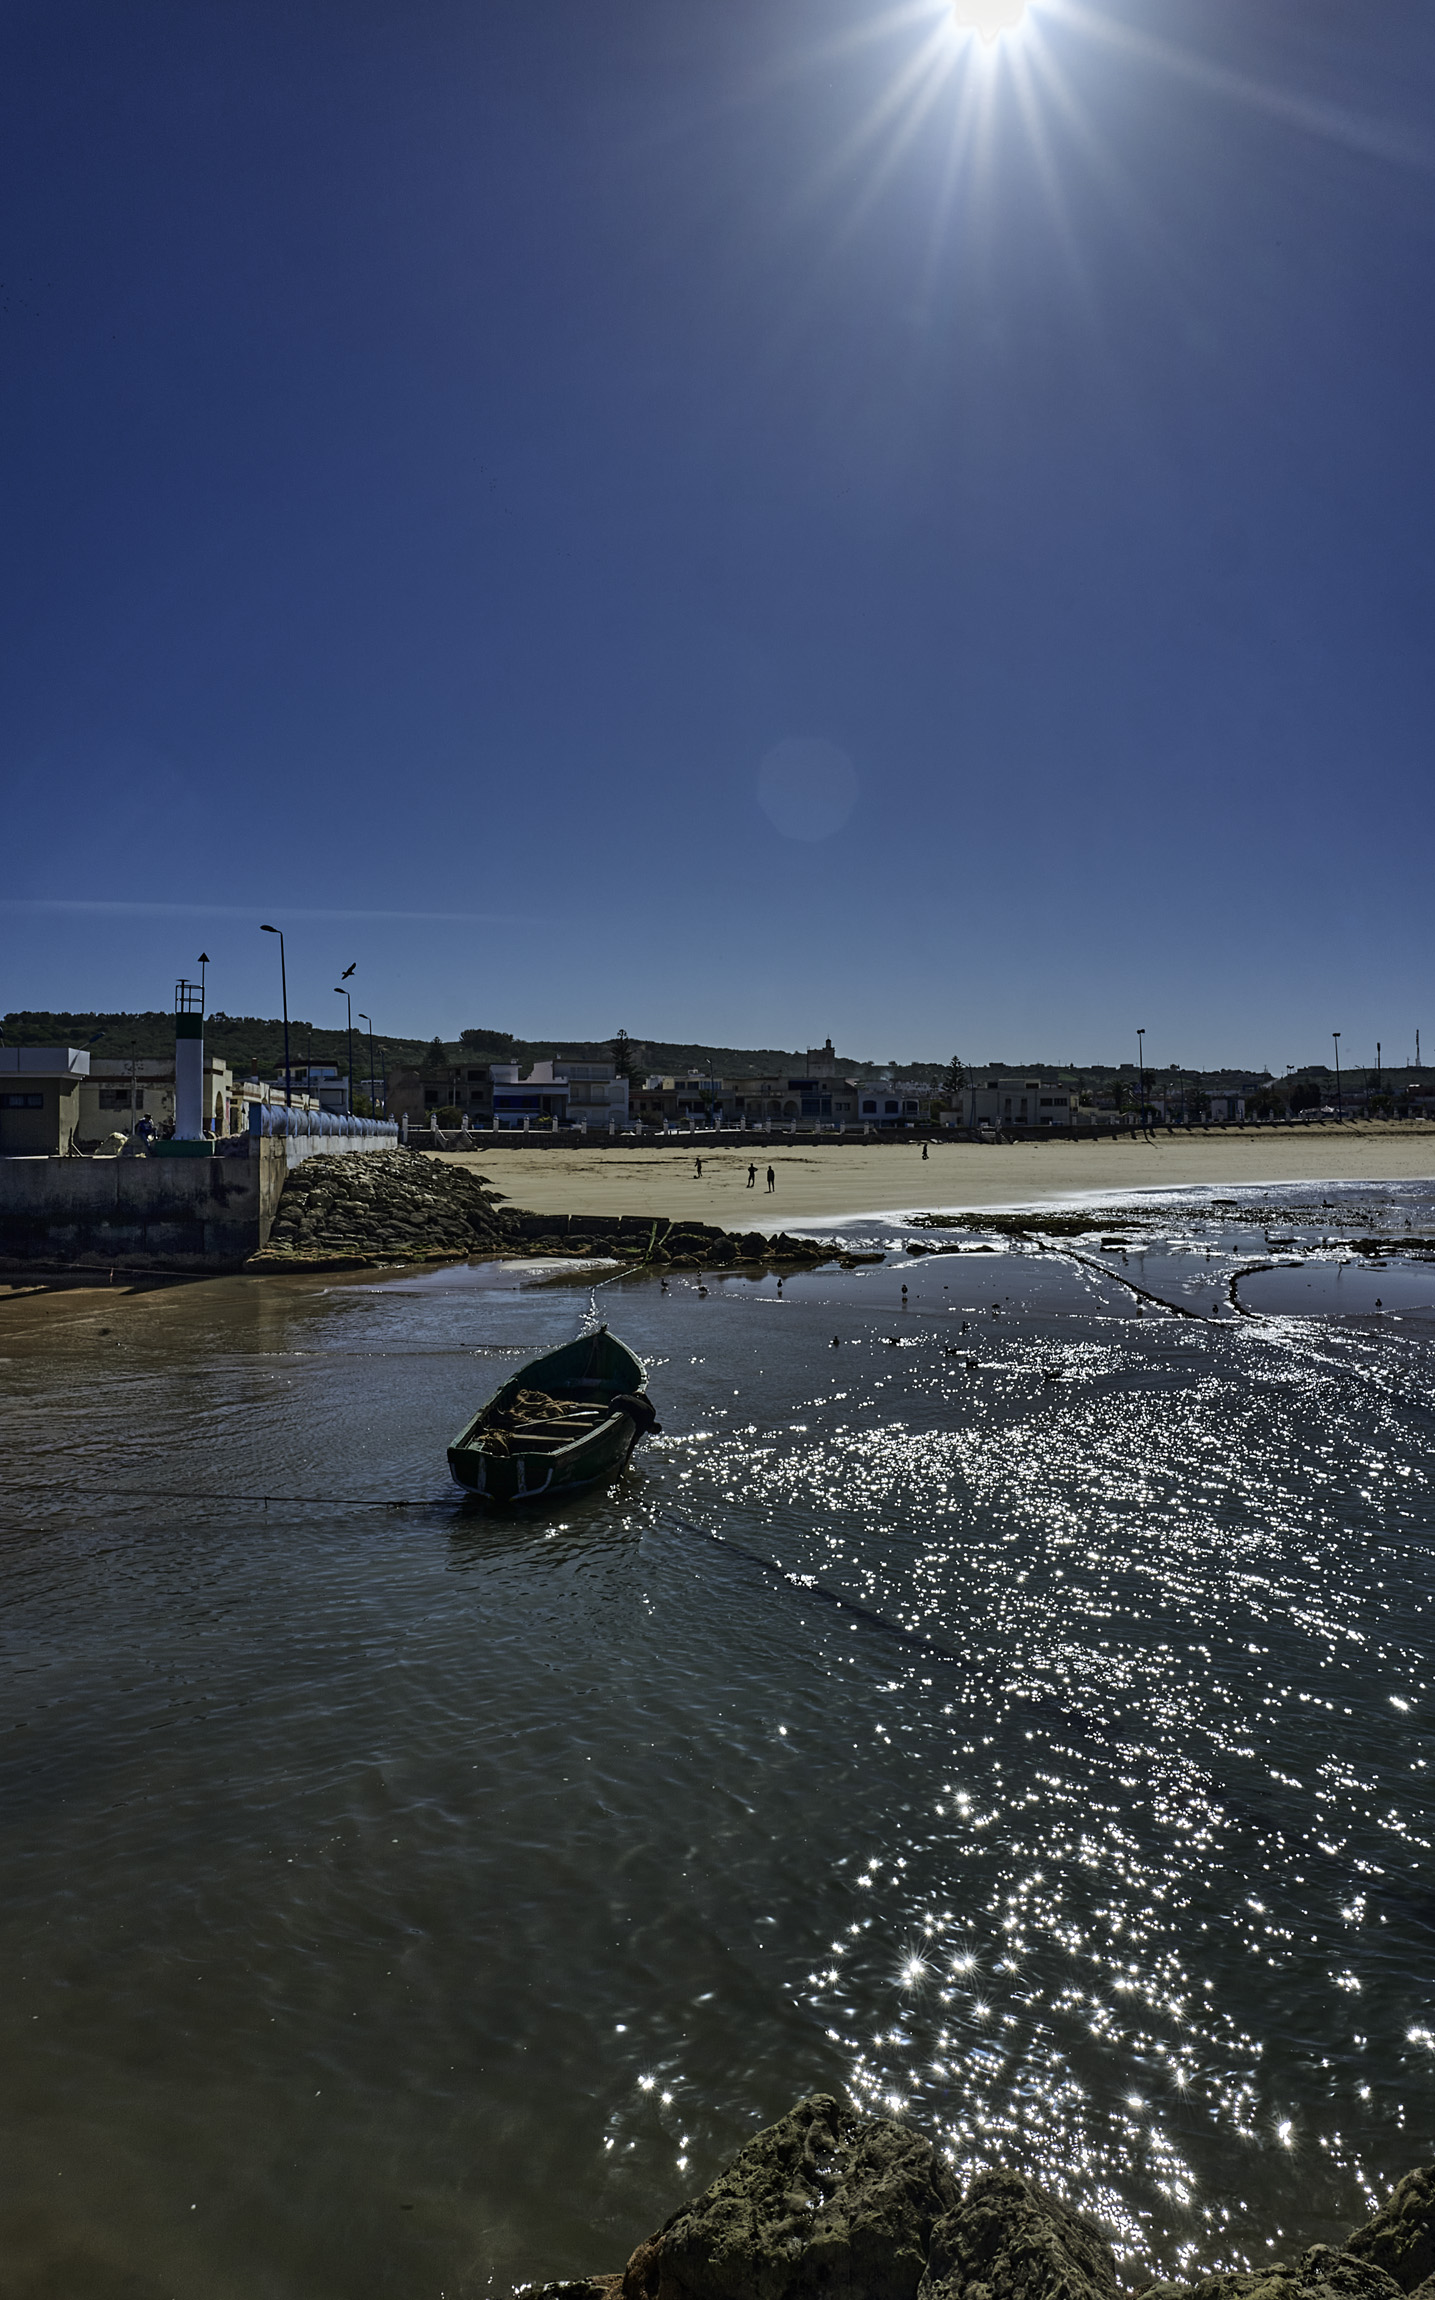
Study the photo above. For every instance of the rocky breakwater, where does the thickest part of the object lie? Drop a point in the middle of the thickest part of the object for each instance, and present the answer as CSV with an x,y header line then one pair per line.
x,y
830,2205
385,1206
401,1206
647,1238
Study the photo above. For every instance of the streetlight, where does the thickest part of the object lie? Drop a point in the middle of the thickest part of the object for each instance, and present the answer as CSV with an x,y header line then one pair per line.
x,y
373,1080
1141,1065
284,993
1339,1105
341,991
1377,1065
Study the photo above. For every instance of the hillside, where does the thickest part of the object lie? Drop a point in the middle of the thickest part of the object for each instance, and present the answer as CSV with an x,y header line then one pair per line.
x,y
247,1040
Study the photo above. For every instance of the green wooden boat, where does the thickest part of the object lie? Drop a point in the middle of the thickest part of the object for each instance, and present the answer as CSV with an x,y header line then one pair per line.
x,y
564,1420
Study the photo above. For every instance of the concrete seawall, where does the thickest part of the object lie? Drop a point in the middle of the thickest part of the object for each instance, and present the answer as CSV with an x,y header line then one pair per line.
x,y
172,1214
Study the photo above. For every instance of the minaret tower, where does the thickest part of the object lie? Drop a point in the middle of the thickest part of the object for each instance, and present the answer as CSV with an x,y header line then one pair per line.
x,y
188,1062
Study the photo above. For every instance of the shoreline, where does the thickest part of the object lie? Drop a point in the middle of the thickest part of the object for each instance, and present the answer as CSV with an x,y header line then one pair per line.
x,y
816,1183
453,1206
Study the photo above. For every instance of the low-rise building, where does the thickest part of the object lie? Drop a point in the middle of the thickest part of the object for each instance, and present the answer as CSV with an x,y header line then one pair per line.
x,y
449,1093
40,1099
323,1082
597,1096
1001,1102
121,1090
540,1099
819,1097
680,1101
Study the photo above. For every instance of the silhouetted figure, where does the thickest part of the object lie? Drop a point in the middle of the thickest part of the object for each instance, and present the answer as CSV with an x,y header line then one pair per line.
x,y
924,1149
771,1179
699,1165
752,1177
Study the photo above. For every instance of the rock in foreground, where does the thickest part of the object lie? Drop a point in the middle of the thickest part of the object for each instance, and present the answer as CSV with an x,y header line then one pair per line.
x,y
827,2204
1401,2237
1007,2241
824,2203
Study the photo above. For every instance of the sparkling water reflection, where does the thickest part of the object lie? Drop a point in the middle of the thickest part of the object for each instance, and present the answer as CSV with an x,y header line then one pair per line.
x,y
1018,1715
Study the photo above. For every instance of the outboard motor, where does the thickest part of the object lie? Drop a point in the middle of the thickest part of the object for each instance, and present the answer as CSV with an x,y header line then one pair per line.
x,y
640,1410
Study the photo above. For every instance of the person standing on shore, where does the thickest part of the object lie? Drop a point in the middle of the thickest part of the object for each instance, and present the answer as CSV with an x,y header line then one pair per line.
x,y
771,1179
751,1176
699,1165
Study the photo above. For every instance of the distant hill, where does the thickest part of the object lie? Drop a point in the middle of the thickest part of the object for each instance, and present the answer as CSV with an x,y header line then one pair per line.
x,y
243,1040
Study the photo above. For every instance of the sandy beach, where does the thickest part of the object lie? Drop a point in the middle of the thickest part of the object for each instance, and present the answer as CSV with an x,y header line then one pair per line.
x,y
824,1182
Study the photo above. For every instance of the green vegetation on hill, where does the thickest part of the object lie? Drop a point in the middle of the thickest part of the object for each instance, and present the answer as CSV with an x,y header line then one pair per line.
x,y
245,1040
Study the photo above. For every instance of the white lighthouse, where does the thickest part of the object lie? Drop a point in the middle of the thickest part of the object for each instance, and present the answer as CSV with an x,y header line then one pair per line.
x,y
188,1062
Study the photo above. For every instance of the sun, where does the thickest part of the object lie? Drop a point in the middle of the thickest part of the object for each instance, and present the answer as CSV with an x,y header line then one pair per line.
x,y
988,18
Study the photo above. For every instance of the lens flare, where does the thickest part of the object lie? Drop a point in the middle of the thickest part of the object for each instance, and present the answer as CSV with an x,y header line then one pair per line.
x,y
989,18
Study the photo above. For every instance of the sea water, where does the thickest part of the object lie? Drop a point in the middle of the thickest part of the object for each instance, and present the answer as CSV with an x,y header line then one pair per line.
x,y
994,1697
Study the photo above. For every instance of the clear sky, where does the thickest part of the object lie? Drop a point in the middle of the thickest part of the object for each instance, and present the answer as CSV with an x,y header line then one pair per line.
x,y
739,519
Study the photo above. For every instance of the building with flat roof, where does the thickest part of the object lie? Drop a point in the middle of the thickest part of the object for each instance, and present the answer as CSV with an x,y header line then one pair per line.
x,y
123,1089
40,1099
1003,1102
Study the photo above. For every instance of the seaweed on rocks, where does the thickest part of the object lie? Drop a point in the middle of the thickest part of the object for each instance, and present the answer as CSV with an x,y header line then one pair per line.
x,y
829,2204
823,2203
1008,2241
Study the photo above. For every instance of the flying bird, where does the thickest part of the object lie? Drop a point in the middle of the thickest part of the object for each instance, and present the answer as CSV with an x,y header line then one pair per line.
x,y
347,972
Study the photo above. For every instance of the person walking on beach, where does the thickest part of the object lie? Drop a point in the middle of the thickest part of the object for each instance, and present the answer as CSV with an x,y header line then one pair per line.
x,y
699,1165
924,1149
751,1177
771,1179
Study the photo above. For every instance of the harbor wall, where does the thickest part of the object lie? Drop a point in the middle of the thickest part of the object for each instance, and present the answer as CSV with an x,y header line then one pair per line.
x,y
154,1213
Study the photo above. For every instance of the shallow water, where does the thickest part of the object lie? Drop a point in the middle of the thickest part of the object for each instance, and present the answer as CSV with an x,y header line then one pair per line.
x,y
1018,1714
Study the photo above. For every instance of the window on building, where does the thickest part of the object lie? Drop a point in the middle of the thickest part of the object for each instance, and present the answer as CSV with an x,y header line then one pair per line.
x,y
22,1101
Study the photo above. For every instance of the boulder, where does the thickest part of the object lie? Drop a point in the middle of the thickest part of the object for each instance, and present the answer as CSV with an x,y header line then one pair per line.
x,y
1401,2237
1007,2240
823,2205
1322,2273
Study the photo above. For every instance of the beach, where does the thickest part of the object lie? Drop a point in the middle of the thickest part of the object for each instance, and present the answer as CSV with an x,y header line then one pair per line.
x,y
817,1181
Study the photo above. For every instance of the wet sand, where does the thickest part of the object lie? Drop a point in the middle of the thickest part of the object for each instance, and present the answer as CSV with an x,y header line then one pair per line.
x,y
818,1182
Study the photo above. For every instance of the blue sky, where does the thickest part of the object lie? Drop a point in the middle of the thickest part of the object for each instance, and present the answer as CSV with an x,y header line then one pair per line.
x,y
739,521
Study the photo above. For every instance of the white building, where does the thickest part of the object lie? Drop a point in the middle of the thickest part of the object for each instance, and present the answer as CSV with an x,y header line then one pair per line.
x,y
122,1089
1002,1102
596,1095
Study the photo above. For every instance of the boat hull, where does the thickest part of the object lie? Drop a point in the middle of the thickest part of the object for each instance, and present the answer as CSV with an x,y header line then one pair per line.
x,y
595,1369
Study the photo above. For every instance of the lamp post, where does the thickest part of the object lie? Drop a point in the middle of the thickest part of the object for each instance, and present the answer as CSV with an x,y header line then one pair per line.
x,y
1377,1065
1339,1104
284,993
373,1081
1141,1066
341,992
